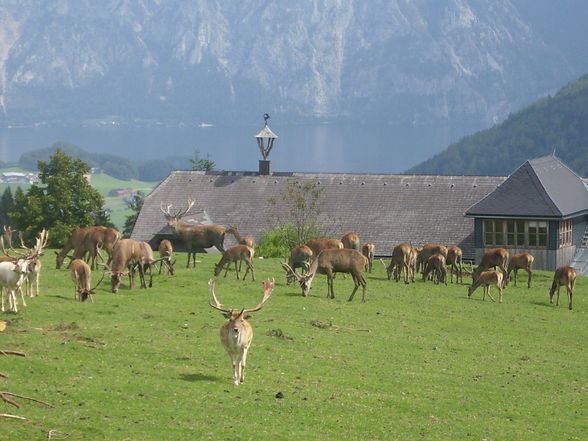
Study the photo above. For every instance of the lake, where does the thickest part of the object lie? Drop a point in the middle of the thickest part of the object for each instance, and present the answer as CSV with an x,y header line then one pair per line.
x,y
304,148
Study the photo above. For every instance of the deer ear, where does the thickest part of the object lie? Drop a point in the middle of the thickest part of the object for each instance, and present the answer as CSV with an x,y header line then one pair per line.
x,y
246,316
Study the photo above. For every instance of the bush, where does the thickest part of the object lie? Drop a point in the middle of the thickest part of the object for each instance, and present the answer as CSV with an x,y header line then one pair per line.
x,y
278,241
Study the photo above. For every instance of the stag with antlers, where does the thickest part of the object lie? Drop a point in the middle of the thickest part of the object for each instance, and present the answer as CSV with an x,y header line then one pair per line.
x,y
236,333
194,237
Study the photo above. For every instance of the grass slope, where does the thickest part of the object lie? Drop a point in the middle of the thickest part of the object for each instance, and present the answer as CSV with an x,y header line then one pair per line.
x,y
435,365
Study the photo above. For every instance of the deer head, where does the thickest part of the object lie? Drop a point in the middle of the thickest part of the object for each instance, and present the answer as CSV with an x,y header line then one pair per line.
x,y
173,218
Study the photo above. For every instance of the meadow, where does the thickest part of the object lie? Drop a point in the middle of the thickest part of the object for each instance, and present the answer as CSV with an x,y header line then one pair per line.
x,y
415,362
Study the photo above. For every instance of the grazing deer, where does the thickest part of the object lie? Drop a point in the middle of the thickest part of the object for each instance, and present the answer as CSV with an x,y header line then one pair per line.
x,y
350,241
399,262
247,240
412,262
195,237
81,275
564,276
495,257
146,263
236,333
317,245
427,251
333,261
521,261
455,263
485,279
369,251
165,253
126,254
236,254
300,257
436,268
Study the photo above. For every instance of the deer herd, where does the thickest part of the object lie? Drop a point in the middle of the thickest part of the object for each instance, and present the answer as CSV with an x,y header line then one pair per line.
x,y
20,268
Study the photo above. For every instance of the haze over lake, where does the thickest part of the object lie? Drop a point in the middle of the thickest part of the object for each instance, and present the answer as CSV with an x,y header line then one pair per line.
x,y
303,148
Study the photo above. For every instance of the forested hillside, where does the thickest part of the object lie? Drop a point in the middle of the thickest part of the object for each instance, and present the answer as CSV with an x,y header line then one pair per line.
x,y
558,123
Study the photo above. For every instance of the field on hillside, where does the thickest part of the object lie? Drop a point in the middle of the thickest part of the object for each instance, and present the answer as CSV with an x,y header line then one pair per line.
x,y
416,362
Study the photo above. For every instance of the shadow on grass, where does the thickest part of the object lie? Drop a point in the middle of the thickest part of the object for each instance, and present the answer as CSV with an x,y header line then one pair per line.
x,y
198,377
538,303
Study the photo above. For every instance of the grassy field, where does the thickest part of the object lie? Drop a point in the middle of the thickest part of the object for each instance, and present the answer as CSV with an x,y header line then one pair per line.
x,y
417,362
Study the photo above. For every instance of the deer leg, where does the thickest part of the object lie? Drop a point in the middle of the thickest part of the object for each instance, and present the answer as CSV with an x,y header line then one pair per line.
x,y
488,291
570,294
529,278
237,269
249,267
330,293
557,299
2,295
243,364
22,296
356,282
500,294
515,276
150,275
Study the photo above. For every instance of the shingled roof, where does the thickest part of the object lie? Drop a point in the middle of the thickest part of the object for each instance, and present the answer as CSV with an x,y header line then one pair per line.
x,y
543,187
384,209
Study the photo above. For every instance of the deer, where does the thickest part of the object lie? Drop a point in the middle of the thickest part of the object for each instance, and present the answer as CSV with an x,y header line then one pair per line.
x,y
350,241
194,237
317,245
12,276
495,257
436,268
563,276
412,263
329,262
88,241
427,251
486,279
300,257
369,251
146,263
236,333
165,253
126,254
521,261
399,262
236,254
247,240
455,263
81,274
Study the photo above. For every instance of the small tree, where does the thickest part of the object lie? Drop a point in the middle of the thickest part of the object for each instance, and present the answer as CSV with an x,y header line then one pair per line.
x,y
202,164
135,204
63,202
6,204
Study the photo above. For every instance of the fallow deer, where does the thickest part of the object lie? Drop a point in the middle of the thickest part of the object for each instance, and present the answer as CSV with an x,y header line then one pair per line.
x,y
495,257
12,276
236,254
300,257
166,253
486,279
369,251
455,263
521,261
236,333
194,237
350,241
564,276
427,251
436,268
399,262
329,262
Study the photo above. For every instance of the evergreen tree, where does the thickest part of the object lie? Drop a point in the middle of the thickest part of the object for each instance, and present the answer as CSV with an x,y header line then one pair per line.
x,y
63,202
136,204
6,204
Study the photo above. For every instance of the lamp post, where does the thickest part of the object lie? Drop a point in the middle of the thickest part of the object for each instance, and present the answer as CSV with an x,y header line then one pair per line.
x,y
265,142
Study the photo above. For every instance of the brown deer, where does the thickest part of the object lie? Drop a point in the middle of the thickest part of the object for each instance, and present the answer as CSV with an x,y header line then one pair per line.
x,y
126,254
495,257
81,274
329,262
236,254
247,240
427,251
436,268
300,257
521,261
485,279
317,245
236,333
564,276
194,237
146,263
455,263
399,262
350,241
166,253
88,241
369,251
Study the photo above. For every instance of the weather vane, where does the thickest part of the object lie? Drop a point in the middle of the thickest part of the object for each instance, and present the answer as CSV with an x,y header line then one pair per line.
x,y
266,117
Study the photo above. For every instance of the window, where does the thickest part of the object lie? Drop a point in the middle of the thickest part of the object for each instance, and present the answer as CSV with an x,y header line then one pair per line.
x,y
515,233
565,233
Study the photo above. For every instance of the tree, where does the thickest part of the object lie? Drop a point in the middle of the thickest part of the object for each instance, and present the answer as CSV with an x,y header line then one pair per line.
x,y
63,202
6,204
202,164
135,205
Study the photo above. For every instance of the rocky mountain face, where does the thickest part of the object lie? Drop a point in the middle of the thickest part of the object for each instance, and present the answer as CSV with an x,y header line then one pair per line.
x,y
389,61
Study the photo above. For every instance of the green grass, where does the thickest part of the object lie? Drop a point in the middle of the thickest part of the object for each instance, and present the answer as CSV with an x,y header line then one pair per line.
x,y
435,365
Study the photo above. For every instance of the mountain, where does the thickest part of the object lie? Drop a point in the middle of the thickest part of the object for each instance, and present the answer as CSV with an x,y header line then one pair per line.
x,y
180,61
554,124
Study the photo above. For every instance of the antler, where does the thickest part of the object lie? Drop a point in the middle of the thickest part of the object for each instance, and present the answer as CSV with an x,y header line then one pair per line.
x,y
268,287
180,213
217,305
290,271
